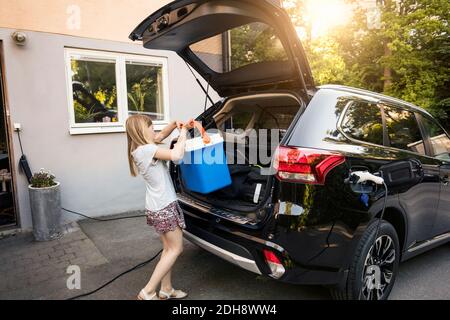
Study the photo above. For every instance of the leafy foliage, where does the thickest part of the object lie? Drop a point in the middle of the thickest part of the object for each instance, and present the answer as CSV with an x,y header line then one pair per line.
x,y
99,81
142,82
407,55
95,99
253,43
42,179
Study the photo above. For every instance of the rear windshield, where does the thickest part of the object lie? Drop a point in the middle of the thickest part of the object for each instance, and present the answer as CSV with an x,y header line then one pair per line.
x,y
277,117
251,43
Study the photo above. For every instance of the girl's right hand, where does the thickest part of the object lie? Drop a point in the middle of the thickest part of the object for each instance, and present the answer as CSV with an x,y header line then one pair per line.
x,y
189,124
180,124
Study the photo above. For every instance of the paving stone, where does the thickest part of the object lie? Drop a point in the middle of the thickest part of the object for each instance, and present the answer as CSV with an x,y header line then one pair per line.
x,y
26,263
81,261
57,254
71,250
41,258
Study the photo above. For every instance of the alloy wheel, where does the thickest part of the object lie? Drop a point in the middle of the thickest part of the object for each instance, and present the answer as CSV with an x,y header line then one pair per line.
x,y
378,269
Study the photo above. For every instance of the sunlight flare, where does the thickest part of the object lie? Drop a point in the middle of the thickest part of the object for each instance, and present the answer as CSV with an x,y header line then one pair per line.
x,y
323,15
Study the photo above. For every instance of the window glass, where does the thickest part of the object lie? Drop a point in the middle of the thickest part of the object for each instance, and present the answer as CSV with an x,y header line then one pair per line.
x,y
256,42
403,130
238,121
440,142
363,122
276,117
144,90
94,90
105,88
251,43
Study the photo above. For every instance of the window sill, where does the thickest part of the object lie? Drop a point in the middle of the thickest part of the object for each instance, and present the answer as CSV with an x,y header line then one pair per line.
x,y
109,129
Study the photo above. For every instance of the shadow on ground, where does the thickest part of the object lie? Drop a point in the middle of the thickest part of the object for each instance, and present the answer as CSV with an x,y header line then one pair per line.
x,y
206,276
106,249
202,274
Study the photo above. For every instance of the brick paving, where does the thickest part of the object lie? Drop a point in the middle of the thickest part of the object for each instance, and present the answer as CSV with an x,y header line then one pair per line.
x,y
25,263
37,270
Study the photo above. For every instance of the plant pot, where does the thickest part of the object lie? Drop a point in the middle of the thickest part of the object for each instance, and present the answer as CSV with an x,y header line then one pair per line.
x,y
46,212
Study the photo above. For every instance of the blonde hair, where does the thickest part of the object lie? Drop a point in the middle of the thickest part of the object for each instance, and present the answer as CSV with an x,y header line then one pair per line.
x,y
137,128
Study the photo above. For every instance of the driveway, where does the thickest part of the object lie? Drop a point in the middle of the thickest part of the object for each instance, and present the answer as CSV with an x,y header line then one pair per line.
x,y
102,250
127,242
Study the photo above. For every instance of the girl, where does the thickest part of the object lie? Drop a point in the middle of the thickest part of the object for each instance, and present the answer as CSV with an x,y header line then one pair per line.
x,y
162,208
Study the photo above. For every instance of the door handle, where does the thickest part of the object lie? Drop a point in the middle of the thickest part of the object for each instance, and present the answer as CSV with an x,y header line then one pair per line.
x,y
445,180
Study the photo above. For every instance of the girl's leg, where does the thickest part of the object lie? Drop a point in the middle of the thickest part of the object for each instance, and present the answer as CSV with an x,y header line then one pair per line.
x,y
173,247
166,282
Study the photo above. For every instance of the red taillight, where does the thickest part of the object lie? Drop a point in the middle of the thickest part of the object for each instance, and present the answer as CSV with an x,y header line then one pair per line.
x,y
271,257
276,267
305,165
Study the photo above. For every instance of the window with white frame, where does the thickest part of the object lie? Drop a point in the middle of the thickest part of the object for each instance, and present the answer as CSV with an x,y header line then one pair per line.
x,y
104,88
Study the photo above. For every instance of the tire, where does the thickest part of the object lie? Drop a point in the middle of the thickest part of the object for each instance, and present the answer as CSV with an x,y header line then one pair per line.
x,y
366,267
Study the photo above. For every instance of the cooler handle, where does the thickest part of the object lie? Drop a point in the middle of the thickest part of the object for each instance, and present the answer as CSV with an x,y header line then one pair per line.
x,y
205,137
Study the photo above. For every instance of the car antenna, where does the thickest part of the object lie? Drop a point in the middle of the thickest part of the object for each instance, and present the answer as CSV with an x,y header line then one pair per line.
x,y
201,86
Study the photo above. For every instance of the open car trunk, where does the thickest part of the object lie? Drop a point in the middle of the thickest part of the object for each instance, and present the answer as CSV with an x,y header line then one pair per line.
x,y
252,127
273,55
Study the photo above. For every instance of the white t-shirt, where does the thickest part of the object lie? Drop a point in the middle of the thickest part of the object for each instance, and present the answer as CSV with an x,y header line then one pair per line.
x,y
160,192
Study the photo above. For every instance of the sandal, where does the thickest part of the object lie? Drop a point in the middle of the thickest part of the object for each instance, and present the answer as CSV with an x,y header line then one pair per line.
x,y
174,294
145,296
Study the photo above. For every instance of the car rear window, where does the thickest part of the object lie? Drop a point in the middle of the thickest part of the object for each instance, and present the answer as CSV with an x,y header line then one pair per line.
x,y
276,117
363,122
251,43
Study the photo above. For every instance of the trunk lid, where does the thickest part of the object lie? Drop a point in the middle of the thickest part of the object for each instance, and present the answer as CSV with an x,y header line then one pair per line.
x,y
252,44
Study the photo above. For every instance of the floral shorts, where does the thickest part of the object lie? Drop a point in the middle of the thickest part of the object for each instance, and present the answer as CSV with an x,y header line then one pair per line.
x,y
167,219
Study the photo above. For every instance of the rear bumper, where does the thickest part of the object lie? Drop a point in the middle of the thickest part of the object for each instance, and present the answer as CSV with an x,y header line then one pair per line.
x,y
246,251
240,261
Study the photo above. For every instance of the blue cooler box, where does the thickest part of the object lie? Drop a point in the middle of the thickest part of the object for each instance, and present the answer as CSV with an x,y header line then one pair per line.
x,y
204,167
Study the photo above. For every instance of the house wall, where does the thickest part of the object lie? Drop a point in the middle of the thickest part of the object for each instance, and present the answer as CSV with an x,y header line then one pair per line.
x,y
92,168
99,19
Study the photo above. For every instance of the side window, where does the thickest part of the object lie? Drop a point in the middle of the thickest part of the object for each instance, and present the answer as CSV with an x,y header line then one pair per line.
x,y
440,142
403,130
363,122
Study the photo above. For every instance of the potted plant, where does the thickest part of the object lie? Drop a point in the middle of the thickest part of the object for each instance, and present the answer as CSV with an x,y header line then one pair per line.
x,y
45,202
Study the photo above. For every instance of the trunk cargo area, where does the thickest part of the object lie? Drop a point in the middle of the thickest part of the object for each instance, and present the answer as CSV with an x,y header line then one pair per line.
x,y
252,127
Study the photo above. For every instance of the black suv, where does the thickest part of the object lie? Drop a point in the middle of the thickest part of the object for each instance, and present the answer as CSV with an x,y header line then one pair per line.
x,y
304,224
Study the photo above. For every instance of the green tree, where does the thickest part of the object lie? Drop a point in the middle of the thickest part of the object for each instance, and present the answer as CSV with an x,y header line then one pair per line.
x,y
418,33
327,64
253,43
143,88
98,82
406,56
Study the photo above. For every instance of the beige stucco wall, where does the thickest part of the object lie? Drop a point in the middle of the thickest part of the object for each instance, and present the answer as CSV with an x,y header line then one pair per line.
x,y
92,168
96,19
